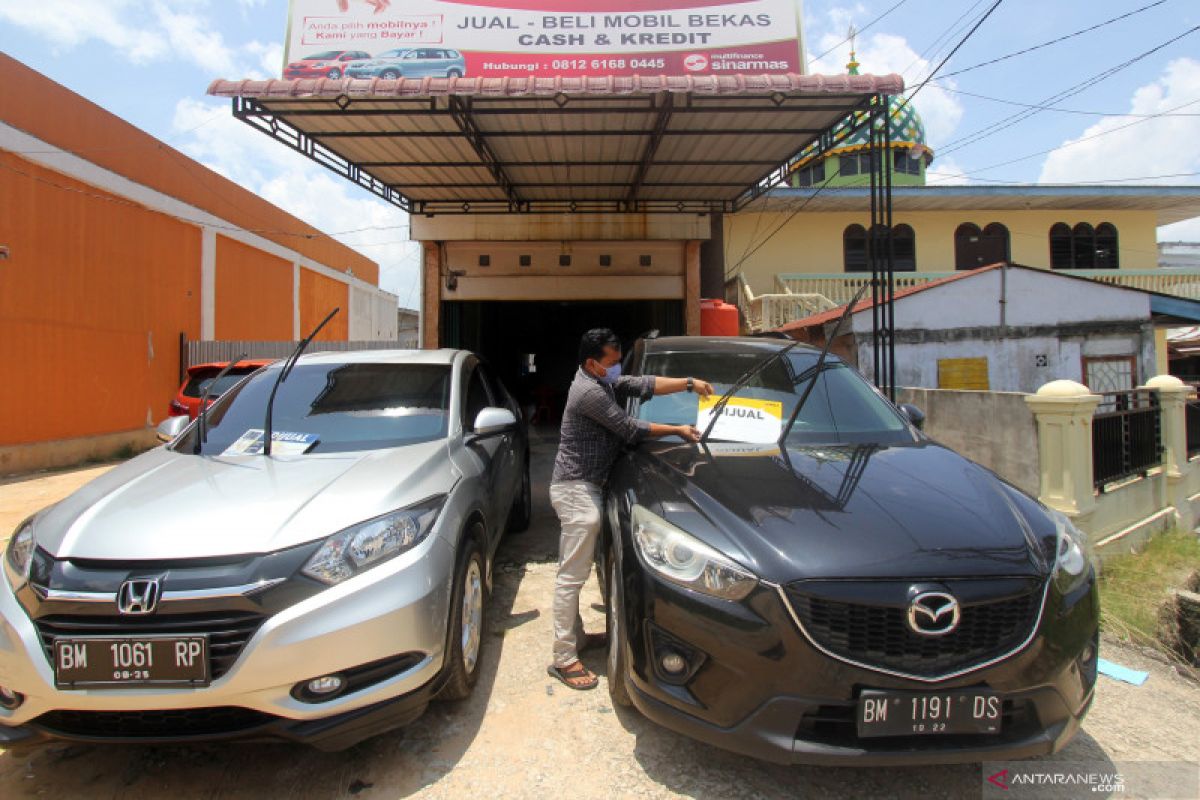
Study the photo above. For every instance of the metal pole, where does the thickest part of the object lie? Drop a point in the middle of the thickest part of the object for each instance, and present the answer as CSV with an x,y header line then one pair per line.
x,y
890,302
872,246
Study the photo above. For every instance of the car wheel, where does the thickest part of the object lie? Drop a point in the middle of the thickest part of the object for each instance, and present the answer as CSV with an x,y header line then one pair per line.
x,y
389,74
617,689
466,624
334,74
454,73
522,510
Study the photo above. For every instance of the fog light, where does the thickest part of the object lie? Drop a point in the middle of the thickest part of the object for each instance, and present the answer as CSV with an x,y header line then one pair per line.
x,y
10,699
673,663
325,685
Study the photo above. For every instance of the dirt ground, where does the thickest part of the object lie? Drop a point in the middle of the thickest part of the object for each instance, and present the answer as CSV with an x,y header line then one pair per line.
x,y
522,735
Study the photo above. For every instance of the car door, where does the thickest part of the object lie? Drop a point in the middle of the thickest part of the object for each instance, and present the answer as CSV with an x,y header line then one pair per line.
x,y
414,64
486,455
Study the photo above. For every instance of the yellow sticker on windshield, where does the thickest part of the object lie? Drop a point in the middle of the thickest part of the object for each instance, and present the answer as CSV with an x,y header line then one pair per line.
x,y
744,419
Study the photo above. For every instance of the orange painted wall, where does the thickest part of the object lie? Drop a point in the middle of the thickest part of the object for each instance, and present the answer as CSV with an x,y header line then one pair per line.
x,y
93,297
254,293
35,104
318,296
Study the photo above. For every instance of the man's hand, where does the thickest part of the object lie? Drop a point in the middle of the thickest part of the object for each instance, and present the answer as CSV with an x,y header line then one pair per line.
x,y
688,432
702,388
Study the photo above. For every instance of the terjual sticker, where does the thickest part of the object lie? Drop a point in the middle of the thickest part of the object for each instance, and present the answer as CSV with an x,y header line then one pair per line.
x,y
283,443
744,419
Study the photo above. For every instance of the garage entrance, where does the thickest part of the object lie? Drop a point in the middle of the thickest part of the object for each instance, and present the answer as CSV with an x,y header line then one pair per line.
x,y
533,346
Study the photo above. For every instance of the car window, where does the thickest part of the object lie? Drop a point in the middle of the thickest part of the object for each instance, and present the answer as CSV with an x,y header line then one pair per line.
x,y
452,54
497,389
393,54
200,381
475,400
341,407
412,54
842,408
325,56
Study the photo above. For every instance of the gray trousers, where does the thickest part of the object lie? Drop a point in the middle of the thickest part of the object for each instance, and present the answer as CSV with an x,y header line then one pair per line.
x,y
579,506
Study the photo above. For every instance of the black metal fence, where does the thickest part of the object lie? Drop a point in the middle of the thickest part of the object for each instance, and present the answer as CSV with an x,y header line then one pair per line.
x,y
1126,436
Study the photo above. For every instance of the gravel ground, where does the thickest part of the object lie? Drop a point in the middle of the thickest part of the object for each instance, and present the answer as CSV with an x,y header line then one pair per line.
x,y
524,735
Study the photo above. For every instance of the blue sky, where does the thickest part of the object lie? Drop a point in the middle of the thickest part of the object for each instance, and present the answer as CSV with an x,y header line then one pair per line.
x,y
150,62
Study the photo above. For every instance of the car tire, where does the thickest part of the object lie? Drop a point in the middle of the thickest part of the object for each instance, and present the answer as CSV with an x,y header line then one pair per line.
x,y
467,617
334,74
390,74
616,660
454,73
522,509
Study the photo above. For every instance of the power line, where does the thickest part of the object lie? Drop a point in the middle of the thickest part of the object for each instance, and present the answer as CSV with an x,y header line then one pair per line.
x,y
1015,182
1064,38
950,55
863,29
1013,119
945,36
1054,108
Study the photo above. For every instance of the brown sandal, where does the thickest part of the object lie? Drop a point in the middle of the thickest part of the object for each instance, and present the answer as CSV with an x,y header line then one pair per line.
x,y
574,672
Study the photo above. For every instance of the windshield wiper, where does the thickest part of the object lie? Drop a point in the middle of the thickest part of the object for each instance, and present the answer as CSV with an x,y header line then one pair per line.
x,y
816,371
202,419
283,373
741,382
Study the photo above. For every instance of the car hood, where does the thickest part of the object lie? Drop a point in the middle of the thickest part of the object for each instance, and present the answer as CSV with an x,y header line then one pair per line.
x,y
168,505
908,511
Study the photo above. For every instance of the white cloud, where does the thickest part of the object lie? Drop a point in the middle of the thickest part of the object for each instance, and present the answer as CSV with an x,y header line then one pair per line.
x,y
143,32
945,172
883,53
1159,146
302,188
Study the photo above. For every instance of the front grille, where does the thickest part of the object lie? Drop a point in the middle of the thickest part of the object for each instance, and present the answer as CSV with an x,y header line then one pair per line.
x,y
879,636
175,723
227,631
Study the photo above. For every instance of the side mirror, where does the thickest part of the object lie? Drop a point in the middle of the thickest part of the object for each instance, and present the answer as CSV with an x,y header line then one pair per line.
x,y
915,415
171,427
492,421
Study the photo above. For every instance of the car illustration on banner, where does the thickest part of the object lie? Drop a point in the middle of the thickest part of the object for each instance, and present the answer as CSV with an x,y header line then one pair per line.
x,y
328,64
423,62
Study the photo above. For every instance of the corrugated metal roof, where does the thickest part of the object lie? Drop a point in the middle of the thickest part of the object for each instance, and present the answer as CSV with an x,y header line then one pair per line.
x,y
638,143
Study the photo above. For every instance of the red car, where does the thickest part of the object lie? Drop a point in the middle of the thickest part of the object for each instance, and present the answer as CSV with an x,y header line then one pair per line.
x,y
329,64
187,401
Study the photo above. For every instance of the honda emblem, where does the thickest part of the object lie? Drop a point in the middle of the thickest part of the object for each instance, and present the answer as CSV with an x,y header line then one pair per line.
x,y
139,596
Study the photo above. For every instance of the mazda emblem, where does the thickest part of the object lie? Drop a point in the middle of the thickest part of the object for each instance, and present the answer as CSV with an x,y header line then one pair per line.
x,y
933,613
138,597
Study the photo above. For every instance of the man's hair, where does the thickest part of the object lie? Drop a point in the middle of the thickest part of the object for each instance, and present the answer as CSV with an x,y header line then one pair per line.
x,y
593,343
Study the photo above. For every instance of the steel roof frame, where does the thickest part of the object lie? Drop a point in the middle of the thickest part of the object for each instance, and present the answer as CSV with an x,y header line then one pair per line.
x,y
464,111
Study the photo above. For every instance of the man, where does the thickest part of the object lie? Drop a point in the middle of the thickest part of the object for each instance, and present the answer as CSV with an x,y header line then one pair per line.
x,y
594,428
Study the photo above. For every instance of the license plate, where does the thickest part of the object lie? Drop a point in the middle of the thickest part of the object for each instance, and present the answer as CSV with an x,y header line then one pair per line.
x,y
904,714
131,661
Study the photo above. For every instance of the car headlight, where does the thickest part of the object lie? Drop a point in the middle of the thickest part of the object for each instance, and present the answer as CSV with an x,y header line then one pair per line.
x,y
682,558
350,551
1073,554
20,550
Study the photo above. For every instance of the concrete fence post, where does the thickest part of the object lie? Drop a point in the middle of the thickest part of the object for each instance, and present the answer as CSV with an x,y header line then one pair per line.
x,y
1173,395
1064,410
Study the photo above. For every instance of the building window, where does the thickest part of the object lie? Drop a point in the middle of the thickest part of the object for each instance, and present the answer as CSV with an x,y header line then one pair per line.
x,y
1084,247
855,250
1109,373
854,164
1061,248
904,161
975,248
811,175
904,249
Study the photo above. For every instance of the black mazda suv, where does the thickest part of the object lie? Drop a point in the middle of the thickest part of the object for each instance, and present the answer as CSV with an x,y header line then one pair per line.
x,y
816,581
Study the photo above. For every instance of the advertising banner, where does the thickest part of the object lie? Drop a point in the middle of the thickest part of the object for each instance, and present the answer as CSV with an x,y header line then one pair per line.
x,y
542,38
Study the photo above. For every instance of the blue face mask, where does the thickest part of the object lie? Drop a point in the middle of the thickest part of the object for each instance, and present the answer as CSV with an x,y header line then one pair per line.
x,y
611,374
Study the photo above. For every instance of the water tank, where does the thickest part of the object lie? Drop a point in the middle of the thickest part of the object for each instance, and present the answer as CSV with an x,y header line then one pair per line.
x,y
718,318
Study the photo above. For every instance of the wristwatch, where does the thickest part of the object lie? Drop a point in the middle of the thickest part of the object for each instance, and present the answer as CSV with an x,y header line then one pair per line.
x,y
691,384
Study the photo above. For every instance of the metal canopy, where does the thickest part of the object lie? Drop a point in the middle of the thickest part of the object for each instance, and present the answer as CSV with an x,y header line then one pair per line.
x,y
518,145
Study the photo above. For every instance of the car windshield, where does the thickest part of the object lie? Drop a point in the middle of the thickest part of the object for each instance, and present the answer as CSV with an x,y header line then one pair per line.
x,y
200,381
842,408
326,56
392,54
332,408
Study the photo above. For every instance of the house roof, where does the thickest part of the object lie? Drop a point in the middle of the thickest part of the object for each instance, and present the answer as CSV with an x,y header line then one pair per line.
x,y
1171,203
1163,308
578,144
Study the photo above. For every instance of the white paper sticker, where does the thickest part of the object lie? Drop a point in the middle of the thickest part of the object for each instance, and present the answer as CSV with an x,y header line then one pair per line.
x,y
744,419
283,443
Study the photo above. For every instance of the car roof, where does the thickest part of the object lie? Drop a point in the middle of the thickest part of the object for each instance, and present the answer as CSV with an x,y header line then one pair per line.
x,y
245,363
443,356
720,344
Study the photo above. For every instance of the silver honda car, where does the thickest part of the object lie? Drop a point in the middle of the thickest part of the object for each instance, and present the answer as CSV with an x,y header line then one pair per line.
x,y
322,592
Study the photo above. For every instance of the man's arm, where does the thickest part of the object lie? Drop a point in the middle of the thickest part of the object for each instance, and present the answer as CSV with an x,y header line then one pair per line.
x,y
629,429
674,385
